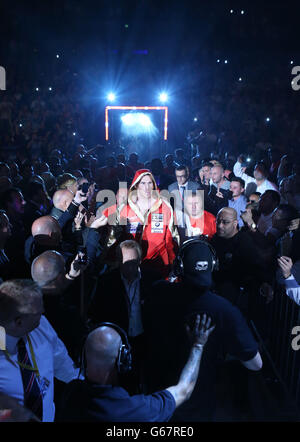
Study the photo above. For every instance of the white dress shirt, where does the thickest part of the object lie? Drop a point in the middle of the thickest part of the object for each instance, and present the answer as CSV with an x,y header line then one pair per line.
x,y
52,360
180,204
266,184
292,289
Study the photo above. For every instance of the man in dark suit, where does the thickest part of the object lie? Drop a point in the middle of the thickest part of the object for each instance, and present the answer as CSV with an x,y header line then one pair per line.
x,y
179,189
120,296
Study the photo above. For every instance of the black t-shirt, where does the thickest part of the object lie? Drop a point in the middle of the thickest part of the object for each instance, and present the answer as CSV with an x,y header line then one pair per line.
x,y
169,347
241,258
87,402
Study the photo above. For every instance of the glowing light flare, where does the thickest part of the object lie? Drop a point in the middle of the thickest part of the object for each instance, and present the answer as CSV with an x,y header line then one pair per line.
x,y
163,97
111,96
163,108
136,119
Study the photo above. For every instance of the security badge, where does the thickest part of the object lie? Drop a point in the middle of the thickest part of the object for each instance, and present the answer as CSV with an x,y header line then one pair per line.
x,y
157,223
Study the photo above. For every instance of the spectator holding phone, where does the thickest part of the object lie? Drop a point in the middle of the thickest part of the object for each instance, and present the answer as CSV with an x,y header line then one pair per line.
x,y
292,288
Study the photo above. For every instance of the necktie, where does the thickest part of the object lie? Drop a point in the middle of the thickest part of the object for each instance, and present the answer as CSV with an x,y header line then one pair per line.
x,y
32,394
182,208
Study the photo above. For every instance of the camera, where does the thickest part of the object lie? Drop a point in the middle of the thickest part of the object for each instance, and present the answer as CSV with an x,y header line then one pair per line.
x,y
84,187
82,258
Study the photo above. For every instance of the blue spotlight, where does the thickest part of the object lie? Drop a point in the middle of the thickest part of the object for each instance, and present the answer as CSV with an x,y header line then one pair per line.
x,y
111,96
163,97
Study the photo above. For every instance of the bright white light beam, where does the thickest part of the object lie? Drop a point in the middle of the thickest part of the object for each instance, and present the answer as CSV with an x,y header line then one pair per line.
x,y
111,96
163,97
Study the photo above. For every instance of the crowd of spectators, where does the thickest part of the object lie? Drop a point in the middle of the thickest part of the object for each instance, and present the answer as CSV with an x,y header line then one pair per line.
x,y
106,253
59,225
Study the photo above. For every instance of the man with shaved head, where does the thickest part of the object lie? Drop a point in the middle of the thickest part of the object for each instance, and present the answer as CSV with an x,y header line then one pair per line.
x,y
46,234
47,230
66,207
241,258
48,271
219,193
101,351
99,398
227,223
61,200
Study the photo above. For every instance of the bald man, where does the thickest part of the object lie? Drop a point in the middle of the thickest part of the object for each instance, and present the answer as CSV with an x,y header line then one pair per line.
x,y
242,257
61,201
46,234
46,230
48,270
66,207
101,351
101,399
227,223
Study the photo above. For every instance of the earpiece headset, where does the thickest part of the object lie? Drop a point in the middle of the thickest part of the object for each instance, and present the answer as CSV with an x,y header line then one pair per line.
x,y
178,266
124,359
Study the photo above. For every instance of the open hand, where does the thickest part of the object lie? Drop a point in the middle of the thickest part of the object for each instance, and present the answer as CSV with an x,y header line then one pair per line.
x,y
201,330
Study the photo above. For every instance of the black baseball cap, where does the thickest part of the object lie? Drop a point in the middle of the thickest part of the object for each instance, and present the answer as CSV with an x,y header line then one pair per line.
x,y
197,258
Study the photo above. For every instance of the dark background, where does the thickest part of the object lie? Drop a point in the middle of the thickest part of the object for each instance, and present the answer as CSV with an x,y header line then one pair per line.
x,y
138,48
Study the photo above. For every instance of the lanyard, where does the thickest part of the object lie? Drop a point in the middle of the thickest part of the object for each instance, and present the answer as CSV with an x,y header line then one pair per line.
x,y
27,367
